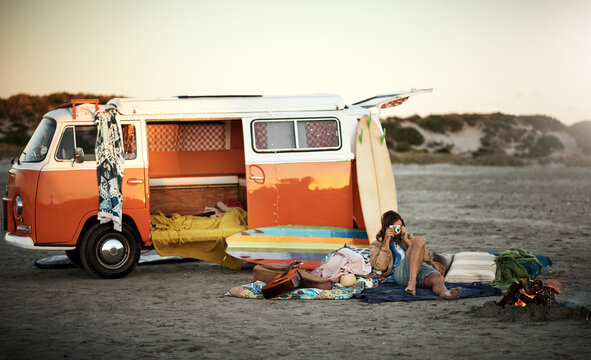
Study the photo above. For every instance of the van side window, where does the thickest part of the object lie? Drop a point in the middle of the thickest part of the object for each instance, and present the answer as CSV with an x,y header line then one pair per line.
x,y
318,134
77,136
85,137
274,135
66,149
129,142
296,135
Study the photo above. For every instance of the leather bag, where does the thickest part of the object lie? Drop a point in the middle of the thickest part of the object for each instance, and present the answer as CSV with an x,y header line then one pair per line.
x,y
266,272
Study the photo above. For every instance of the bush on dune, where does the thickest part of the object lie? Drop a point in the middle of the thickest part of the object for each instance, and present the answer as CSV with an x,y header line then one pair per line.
x,y
545,146
581,131
442,123
410,135
542,122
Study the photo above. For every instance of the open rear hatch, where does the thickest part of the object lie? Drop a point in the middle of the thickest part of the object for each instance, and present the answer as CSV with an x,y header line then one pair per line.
x,y
390,100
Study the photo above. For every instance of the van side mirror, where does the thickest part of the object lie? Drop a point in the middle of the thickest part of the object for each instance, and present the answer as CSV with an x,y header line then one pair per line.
x,y
79,155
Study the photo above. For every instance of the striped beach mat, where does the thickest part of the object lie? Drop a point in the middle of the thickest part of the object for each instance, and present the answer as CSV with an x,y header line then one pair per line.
x,y
309,244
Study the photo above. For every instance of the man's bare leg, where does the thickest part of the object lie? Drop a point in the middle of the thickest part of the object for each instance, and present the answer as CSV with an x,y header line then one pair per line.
x,y
414,253
436,282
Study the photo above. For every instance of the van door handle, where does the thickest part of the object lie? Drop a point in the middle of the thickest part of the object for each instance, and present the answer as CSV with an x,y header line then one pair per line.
x,y
255,169
135,181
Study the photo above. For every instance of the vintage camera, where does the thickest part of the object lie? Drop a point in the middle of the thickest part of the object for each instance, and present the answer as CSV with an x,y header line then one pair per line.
x,y
397,229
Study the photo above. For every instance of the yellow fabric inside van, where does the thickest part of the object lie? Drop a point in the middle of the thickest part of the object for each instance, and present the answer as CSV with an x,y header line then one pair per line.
x,y
198,237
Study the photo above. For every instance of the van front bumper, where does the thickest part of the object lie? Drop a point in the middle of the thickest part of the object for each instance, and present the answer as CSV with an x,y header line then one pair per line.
x,y
26,242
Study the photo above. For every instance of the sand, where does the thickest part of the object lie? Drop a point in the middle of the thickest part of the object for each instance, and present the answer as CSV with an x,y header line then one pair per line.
x,y
178,311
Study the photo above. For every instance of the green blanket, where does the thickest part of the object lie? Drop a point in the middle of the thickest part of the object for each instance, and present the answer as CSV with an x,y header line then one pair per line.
x,y
509,267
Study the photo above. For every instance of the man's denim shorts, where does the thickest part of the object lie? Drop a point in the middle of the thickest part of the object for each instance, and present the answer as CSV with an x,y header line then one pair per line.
x,y
401,272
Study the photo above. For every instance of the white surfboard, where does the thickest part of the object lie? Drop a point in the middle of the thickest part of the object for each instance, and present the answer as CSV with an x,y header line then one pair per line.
x,y
375,178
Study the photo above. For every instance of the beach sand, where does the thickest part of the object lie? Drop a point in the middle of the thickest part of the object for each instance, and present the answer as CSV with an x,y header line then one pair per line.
x,y
178,311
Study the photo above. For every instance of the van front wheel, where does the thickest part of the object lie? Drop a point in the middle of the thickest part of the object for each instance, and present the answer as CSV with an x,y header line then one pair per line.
x,y
107,253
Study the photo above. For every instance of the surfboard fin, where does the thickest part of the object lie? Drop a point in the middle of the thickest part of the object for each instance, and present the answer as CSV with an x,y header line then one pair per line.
x,y
369,120
383,136
361,136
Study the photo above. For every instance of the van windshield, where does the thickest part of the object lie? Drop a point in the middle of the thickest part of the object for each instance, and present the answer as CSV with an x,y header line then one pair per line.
x,y
37,147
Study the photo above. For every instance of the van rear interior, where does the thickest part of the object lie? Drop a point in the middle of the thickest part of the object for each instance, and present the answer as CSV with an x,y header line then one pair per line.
x,y
194,165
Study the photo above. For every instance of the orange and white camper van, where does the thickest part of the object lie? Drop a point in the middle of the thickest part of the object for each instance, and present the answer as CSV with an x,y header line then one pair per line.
x,y
290,160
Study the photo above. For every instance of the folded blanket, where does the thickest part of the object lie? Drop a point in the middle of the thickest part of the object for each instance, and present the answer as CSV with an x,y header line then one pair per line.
x,y
392,292
510,266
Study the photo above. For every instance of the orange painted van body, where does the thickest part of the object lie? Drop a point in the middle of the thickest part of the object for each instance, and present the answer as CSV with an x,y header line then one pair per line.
x,y
60,197
302,193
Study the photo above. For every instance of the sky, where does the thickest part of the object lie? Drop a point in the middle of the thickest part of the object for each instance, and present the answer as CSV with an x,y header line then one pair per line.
x,y
517,57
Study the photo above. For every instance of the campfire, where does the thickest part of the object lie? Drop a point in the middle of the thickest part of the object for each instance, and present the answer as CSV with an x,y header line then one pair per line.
x,y
532,300
527,292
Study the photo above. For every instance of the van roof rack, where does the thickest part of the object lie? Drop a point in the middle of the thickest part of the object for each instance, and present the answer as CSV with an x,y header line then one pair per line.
x,y
75,102
215,96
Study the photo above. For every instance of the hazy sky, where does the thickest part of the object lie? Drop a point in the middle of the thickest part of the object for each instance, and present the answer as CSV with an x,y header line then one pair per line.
x,y
518,57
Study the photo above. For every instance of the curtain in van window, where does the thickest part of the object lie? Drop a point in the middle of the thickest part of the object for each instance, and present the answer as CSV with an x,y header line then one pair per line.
x,y
109,167
260,135
321,134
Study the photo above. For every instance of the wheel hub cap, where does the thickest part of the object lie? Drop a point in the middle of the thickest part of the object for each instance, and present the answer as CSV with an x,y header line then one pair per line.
x,y
112,251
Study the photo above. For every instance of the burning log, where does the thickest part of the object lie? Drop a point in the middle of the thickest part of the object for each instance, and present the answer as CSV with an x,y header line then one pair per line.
x,y
533,300
527,292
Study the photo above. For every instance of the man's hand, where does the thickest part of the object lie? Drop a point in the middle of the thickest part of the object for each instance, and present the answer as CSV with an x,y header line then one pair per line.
x,y
389,235
405,238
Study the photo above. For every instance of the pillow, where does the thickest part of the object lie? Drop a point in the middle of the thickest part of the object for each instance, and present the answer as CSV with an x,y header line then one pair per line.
x,y
468,267
444,259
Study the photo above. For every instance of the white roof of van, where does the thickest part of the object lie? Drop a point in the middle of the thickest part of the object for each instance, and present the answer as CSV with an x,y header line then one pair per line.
x,y
227,104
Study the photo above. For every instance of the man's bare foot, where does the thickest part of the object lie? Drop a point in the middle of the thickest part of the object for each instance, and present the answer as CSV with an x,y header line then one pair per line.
x,y
410,291
452,294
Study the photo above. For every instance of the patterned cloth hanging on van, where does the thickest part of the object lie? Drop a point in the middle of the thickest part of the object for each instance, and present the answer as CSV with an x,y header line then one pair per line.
x,y
109,166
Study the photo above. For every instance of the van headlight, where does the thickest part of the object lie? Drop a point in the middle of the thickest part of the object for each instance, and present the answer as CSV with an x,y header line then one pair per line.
x,y
19,206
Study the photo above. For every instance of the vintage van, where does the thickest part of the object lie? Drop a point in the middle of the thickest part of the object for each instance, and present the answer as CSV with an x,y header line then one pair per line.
x,y
289,159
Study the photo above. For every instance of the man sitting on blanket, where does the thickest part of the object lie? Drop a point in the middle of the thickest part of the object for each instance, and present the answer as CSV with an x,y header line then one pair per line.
x,y
399,256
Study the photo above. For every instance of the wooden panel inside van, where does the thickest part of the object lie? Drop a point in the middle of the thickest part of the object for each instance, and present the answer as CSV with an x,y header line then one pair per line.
x,y
189,200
